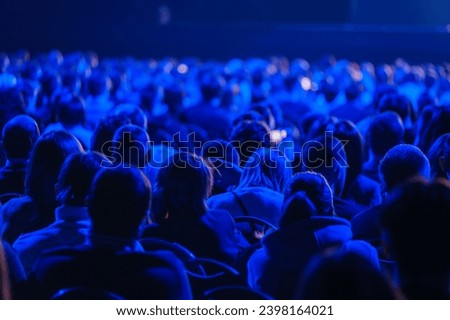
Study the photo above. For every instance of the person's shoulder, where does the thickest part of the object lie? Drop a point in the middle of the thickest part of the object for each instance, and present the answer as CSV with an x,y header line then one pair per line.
x,y
17,204
219,199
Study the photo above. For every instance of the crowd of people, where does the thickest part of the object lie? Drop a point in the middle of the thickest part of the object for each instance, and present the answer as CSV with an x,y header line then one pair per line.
x,y
166,179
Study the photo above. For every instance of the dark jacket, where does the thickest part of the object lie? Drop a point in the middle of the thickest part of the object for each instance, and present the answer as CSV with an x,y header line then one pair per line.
x,y
276,269
212,236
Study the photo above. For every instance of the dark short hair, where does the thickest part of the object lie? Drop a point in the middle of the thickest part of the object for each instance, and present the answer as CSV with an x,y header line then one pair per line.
x,y
76,176
401,163
416,224
182,188
18,136
71,110
325,155
118,201
133,145
249,136
385,131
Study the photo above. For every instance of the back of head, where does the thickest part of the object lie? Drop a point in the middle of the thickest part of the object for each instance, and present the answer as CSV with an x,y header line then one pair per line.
x,y
401,163
313,124
326,155
249,136
118,201
71,111
297,208
350,136
97,84
439,156
343,276
210,86
181,189
438,125
135,114
266,168
46,159
316,189
76,176
385,131
104,133
133,147
398,104
416,224
18,137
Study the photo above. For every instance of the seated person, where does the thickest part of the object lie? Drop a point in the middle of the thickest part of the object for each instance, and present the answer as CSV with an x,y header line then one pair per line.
x,y
308,227
259,193
416,227
399,164
36,210
326,155
385,131
72,221
18,137
179,212
70,113
112,259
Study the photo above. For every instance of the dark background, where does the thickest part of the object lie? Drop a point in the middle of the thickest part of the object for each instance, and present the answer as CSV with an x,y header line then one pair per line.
x,y
381,29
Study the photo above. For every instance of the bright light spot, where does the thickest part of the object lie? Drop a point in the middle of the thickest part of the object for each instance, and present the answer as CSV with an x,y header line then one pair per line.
x,y
306,84
357,75
271,69
182,68
277,135
448,28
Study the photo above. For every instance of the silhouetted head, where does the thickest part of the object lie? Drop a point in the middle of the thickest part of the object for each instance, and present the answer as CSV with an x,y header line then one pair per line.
x,y
352,140
47,157
181,189
249,136
98,84
18,137
133,146
71,111
76,176
316,188
433,123
297,208
398,104
104,133
135,114
266,168
401,163
439,156
385,131
118,202
326,155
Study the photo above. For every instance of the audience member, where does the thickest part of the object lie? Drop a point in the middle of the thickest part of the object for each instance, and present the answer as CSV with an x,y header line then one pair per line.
x,y
18,137
36,210
72,221
112,259
400,164
416,233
